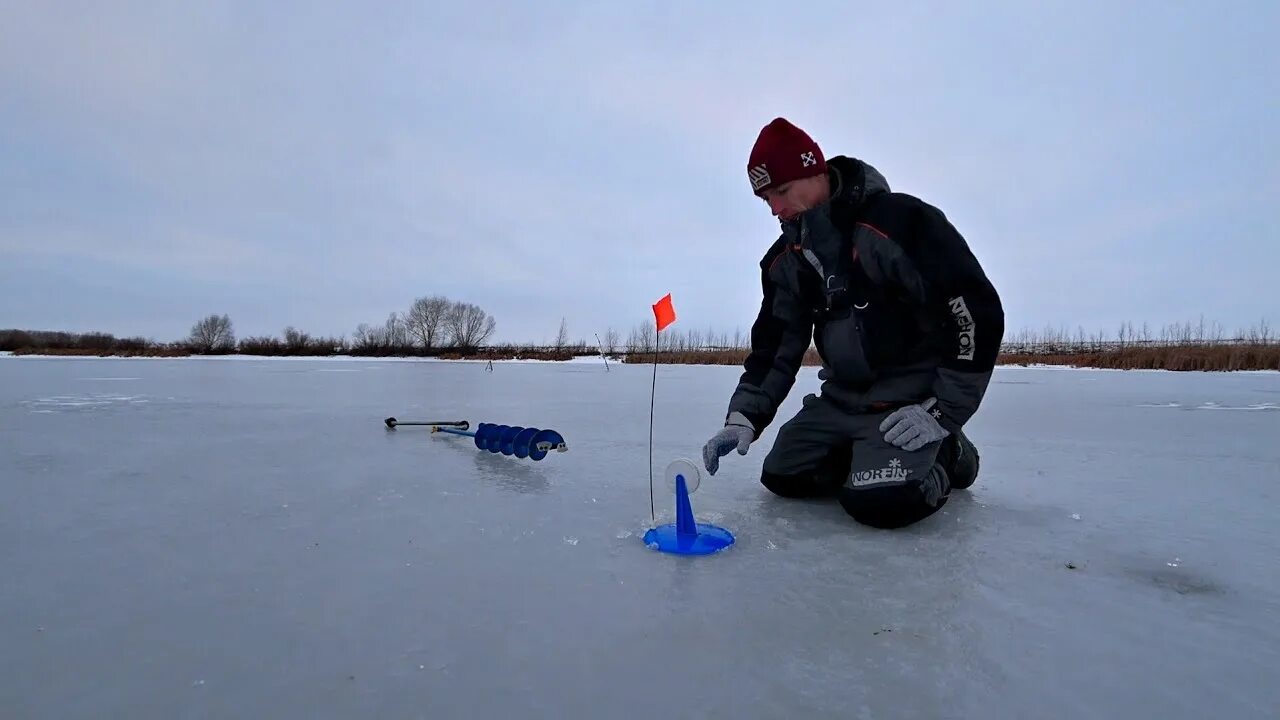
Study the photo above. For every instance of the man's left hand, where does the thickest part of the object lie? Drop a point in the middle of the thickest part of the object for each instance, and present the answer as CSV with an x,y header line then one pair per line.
x,y
913,427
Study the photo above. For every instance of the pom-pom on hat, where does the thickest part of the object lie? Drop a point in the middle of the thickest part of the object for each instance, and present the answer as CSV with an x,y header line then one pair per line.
x,y
782,153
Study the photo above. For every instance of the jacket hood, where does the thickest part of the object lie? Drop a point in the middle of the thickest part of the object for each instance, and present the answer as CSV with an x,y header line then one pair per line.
x,y
853,181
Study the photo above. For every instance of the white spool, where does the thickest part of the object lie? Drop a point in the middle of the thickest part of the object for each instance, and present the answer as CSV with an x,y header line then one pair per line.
x,y
685,467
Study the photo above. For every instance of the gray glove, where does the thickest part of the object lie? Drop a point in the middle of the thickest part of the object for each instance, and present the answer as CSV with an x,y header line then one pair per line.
x,y
912,427
737,431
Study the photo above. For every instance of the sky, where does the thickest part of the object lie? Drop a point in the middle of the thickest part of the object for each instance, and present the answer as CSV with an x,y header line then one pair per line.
x,y
321,165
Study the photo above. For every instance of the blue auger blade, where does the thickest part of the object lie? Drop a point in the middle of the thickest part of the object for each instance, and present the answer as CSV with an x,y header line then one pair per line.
x,y
496,438
493,441
520,445
545,441
522,442
508,438
482,435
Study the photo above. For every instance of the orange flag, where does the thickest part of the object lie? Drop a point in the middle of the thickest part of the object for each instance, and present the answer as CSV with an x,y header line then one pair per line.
x,y
664,312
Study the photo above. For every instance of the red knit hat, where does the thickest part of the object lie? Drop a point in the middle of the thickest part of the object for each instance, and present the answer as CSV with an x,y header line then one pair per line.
x,y
782,153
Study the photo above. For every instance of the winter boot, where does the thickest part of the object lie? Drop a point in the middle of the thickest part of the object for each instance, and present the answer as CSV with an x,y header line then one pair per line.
x,y
960,458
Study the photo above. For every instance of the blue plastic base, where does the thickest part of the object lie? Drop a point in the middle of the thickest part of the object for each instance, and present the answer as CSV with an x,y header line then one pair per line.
x,y
707,540
685,536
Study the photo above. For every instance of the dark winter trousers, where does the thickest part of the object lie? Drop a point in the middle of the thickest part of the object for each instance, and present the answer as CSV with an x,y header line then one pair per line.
x,y
833,448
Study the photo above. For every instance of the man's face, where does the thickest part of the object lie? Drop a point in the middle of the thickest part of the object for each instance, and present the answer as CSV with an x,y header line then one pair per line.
x,y
788,200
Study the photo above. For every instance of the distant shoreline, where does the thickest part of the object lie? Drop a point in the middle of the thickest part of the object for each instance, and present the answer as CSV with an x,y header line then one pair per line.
x,y
1194,358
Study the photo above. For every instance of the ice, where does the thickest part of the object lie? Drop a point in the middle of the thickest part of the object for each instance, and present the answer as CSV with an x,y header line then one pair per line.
x,y
256,527
1250,407
77,403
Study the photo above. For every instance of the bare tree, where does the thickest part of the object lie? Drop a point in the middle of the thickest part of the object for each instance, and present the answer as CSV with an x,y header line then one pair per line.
x,y
426,318
610,341
468,325
397,330
641,337
562,338
212,333
296,340
367,337
1217,333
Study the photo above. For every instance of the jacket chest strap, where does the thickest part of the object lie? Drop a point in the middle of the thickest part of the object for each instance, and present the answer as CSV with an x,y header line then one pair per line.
x,y
836,290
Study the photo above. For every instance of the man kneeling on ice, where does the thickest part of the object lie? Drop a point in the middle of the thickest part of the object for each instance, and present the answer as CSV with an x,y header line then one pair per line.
x,y
905,320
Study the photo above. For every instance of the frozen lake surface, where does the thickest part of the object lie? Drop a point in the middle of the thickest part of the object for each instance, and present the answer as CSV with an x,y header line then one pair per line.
x,y
211,538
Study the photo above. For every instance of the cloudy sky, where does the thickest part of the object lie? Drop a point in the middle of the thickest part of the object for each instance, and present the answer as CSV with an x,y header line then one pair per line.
x,y
321,165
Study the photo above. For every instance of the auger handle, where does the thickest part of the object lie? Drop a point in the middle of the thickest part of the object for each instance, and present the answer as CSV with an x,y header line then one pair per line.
x,y
392,423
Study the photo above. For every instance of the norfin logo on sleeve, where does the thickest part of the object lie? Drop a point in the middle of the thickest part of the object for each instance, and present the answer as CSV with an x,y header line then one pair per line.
x,y
759,176
964,320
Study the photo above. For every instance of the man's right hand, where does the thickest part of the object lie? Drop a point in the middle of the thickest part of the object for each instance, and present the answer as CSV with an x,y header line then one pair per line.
x,y
737,432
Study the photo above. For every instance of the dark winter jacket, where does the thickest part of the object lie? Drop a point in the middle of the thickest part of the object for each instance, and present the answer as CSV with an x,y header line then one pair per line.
x,y
886,288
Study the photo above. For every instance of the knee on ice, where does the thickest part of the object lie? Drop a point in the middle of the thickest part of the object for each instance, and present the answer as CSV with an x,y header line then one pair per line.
x,y
796,486
896,504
